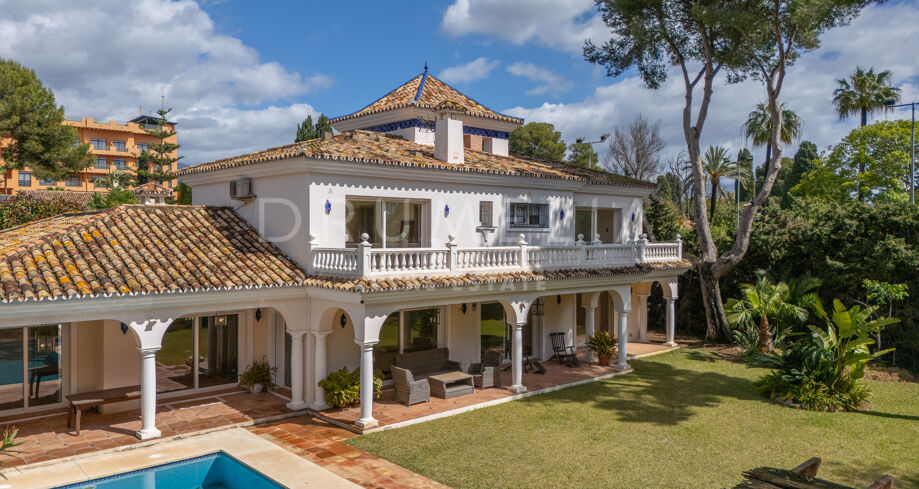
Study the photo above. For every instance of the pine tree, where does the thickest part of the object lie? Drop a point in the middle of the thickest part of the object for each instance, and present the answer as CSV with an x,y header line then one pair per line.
x,y
663,216
306,131
323,126
156,163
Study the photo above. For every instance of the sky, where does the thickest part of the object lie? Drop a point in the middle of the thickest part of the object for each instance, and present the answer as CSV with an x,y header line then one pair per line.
x,y
240,75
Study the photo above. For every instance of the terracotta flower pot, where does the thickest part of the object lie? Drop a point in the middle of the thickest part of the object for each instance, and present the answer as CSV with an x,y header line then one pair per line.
x,y
603,360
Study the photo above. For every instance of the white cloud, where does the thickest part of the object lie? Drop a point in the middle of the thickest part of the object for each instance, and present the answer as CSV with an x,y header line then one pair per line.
x,y
551,82
882,37
477,69
107,58
558,24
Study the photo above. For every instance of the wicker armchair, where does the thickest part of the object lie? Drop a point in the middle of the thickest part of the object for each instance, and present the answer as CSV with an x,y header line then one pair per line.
x,y
408,390
487,373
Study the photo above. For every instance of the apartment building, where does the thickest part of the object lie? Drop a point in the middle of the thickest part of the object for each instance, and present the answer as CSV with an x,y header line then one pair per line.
x,y
114,145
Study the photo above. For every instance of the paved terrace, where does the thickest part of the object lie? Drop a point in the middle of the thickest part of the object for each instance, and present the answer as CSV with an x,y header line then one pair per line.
x,y
46,438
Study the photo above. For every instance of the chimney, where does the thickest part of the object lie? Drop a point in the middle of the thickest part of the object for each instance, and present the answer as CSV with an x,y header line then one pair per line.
x,y
448,134
325,136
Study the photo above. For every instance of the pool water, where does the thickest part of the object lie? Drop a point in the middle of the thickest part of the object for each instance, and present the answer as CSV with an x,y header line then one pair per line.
x,y
214,471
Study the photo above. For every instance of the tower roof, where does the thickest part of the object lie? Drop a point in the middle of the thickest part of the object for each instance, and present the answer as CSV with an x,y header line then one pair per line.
x,y
426,91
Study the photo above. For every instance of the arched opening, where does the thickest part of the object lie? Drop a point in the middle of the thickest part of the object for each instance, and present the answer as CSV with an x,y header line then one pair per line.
x,y
199,352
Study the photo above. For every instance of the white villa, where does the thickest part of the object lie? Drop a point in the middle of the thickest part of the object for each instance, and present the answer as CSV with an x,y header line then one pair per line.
x,y
413,228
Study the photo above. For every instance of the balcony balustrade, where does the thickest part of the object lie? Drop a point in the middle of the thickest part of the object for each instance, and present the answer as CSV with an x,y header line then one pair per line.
x,y
367,261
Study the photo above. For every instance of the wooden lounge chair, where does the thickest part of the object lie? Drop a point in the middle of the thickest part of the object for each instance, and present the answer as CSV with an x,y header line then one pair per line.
x,y
408,390
564,353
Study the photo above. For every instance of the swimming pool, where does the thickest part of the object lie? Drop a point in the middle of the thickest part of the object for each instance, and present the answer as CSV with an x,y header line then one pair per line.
x,y
214,471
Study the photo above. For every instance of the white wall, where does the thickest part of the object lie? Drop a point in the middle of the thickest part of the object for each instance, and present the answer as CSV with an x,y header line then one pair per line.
x,y
120,363
341,350
559,318
463,334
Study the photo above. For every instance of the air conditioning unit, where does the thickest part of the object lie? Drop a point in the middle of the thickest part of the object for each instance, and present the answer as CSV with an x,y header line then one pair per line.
x,y
241,189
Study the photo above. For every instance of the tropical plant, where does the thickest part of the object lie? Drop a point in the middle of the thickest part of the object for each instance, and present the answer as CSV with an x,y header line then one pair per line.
x,y
822,371
9,441
342,388
864,92
113,198
760,303
259,372
746,336
758,128
601,343
717,166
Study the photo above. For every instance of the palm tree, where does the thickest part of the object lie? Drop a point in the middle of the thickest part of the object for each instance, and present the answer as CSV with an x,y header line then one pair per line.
x,y
716,166
761,302
863,93
758,129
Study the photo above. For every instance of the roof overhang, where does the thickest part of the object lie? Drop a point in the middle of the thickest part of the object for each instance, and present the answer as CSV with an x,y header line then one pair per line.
x,y
413,112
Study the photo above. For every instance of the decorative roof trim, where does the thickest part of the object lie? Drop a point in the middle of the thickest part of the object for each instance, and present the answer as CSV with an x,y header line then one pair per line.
x,y
424,78
477,131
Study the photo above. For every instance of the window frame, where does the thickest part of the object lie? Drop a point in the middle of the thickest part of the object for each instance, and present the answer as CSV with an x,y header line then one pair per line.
x,y
542,214
104,162
28,176
124,163
143,147
486,208
73,179
120,145
94,142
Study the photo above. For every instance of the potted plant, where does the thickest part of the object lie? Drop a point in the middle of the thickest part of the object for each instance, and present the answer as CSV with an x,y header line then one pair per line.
x,y
259,376
602,343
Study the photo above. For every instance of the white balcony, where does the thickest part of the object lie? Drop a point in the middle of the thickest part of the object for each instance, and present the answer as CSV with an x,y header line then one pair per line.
x,y
366,261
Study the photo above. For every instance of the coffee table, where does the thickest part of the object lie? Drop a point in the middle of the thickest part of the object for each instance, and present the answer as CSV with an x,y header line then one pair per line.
x,y
453,384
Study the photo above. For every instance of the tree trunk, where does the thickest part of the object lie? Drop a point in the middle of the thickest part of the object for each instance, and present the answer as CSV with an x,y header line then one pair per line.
x,y
717,327
765,167
864,117
711,213
765,334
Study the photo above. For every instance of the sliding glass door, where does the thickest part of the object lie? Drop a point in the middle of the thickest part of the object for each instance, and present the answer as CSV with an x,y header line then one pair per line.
x,y
30,367
407,331
390,223
217,359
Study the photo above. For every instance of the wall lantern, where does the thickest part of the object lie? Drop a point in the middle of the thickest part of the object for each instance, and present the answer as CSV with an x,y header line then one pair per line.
x,y
558,299
561,214
343,320
446,210
463,308
124,328
328,207
633,217
221,320
258,314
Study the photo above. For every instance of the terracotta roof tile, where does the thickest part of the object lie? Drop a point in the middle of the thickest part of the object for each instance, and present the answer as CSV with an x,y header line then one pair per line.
x,y
136,249
152,188
432,93
386,284
79,197
380,149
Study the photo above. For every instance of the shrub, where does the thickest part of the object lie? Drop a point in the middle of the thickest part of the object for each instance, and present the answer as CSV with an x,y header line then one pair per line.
x,y
342,388
821,371
747,338
20,209
260,372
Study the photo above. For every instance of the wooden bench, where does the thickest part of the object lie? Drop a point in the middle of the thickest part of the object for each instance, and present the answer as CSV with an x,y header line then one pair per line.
x,y
87,400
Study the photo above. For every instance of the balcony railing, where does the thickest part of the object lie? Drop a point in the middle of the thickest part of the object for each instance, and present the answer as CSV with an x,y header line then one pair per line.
x,y
367,261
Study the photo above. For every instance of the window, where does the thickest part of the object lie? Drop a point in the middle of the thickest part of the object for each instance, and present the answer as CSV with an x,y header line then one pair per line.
x,y
486,215
389,223
99,144
119,164
584,224
25,179
529,215
406,331
142,147
120,145
34,351
494,333
101,164
46,183
72,181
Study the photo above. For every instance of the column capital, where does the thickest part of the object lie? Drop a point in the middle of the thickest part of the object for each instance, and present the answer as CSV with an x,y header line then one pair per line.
x,y
149,351
297,333
320,334
366,345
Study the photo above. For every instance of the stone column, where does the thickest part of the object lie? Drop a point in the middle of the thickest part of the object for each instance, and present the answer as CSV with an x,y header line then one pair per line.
x,y
321,369
366,420
623,363
148,394
296,371
517,359
589,326
671,322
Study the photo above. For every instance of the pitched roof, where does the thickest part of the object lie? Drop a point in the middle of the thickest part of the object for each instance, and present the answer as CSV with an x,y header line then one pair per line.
x,y
152,188
135,249
381,149
426,91
370,285
78,197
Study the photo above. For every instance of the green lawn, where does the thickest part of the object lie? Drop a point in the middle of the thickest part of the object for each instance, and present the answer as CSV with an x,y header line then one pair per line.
x,y
682,420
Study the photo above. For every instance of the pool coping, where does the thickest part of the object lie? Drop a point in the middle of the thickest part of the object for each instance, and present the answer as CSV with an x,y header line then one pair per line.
x,y
259,454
